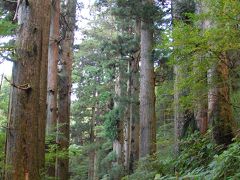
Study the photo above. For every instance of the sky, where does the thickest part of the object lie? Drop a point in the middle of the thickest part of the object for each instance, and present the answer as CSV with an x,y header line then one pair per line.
x,y
6,66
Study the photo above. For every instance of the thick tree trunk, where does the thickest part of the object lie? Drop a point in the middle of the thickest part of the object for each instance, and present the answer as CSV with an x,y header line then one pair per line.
x,y
134,104
53,56
147,89
219,104
178,112
64,87
25,136
134,113
118,143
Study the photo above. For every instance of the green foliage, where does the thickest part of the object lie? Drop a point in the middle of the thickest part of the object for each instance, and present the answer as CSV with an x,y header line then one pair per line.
x,y
196,153
2,153
110,124
78,162
4,98
6,27
150,166
227,164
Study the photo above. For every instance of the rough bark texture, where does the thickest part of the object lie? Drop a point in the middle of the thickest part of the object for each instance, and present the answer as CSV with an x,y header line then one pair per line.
x,y
134,113
147,89
53,56
119,141
64,86
219,105
25,135
134,105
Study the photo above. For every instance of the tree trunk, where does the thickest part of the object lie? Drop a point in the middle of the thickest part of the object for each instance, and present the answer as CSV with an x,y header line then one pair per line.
x,y
147,88
127,126
25,136
219,104
119,141
53,56
134,105
134,113
64,87
91,153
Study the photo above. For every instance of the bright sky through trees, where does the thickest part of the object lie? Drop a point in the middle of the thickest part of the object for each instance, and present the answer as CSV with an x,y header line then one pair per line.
x,y
82,20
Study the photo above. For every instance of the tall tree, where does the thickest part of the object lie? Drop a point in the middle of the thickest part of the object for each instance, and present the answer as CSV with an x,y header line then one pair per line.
x,y
182,116
27,113
64,86
134,104
53,56
147,84
201,108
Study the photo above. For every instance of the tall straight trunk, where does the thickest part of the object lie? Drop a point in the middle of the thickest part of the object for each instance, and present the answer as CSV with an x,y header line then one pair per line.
x,y
201,108
178,112
43,85
91,153
219,104
25,135
64,87
118,143
53,56
95,168
134,113
147,88
134,106
127,124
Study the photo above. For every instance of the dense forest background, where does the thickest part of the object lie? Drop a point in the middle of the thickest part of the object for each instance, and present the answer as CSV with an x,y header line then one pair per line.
x,y
151,91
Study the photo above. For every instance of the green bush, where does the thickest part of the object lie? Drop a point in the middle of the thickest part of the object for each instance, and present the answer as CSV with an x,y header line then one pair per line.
x,y
227,164
197,152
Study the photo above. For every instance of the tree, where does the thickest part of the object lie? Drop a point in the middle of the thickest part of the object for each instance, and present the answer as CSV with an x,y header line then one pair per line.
x,y
134,105
27,113
147,144
64,87
219,102
182,116
53,56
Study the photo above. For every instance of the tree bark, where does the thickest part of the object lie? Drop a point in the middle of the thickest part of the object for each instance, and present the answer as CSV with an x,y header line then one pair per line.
x,y
118,143
25,135
219,104
53,56
147,88
134,113
64,87
134,105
